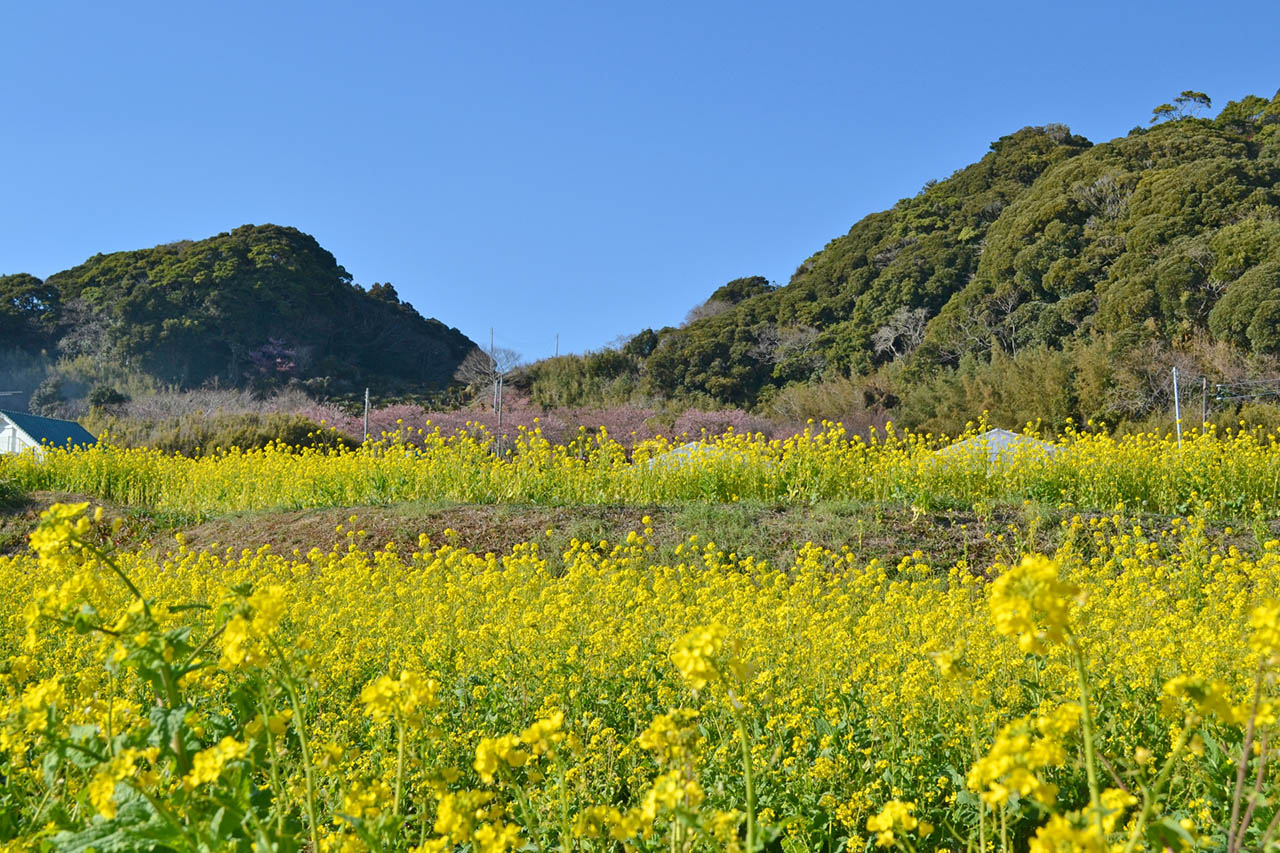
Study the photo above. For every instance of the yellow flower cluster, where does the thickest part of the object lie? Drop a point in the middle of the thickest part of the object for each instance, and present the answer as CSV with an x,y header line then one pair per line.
x,y
444,698
209,763
893,819
472,817
513,751
671,737
245,640
60,526
1022,750
402,700
701,655
494,753
102,787
1030,603
1231,474
1265,621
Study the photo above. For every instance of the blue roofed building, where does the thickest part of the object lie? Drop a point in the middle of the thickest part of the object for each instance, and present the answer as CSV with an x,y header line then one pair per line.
x,y
20,432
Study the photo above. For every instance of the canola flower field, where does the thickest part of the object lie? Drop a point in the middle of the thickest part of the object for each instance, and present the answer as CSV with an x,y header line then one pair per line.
x,y
1237,473
1118,694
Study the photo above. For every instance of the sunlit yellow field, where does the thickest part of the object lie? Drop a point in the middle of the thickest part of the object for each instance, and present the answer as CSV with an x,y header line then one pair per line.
x,y
1116,695
1237,474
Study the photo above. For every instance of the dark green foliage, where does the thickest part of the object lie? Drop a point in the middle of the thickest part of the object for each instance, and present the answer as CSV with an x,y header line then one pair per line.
x,y
606,376
1248,314
47,399
29,312
742,288
102,396
260,305
641,345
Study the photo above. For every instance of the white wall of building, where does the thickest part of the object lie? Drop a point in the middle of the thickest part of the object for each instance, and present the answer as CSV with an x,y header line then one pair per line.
x,y
12,439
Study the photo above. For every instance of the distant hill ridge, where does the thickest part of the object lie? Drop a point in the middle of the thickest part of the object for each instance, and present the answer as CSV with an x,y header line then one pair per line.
x,y
261,303
1168,237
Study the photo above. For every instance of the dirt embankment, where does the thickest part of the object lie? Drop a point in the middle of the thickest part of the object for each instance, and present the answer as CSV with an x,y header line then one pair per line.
x,y
767,533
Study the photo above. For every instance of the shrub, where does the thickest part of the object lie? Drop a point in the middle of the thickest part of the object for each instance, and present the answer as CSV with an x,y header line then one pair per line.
x,y
47,399
200,435
103,396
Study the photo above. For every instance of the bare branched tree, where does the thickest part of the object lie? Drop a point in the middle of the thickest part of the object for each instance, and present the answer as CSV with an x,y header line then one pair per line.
x,y
776,344
710,308
1004,306
482,368
968,329
768,342
903,333
1106,198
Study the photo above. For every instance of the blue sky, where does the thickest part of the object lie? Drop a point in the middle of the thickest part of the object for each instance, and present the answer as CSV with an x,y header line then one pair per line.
x,y
587,169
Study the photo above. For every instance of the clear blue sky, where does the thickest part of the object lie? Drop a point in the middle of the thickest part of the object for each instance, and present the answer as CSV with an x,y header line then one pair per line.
x,y
583,168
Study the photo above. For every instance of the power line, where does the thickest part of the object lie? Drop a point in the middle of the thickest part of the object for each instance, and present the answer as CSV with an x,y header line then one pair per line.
x,y
1246,389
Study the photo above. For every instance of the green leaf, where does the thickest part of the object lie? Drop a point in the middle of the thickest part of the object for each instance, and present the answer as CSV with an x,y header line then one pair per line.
x,y
135,828
166,725
1166,833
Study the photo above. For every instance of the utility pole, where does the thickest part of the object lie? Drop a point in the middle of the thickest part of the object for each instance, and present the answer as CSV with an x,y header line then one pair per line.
x,y
557,344
1204,403
1177,408
366,414
493,365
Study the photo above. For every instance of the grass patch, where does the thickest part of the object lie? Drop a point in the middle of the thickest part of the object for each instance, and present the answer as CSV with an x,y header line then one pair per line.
x,y
978,536
19,516
771,533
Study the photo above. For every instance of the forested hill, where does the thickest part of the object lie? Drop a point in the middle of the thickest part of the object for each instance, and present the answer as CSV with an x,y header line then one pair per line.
x,y
259,304
1049,250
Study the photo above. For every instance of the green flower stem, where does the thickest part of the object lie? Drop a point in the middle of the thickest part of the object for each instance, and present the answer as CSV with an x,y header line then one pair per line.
x,y
1245,749
204,645
526,811
111,710
174,700
115,567
1150,796
566,829
395,810
165,814
277,789
1086,722
748,778
290,688
1254,797
977,756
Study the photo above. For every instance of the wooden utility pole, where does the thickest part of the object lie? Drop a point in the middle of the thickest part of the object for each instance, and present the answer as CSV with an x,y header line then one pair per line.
x,y
366,414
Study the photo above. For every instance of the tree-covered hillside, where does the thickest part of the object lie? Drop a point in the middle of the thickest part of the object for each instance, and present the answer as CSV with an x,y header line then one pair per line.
x,y
1049,249
259,305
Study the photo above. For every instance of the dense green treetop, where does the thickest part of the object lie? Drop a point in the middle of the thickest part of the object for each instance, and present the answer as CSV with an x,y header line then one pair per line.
x,y
29,311
260,303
